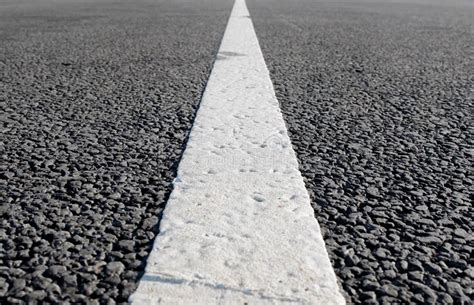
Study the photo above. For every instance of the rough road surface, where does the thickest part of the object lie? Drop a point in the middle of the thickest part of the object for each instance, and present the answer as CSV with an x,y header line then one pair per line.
x,y
97,98
96,101
376,96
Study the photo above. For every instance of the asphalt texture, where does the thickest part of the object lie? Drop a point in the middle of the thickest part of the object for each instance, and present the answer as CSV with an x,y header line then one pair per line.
x,y
376,97
97,98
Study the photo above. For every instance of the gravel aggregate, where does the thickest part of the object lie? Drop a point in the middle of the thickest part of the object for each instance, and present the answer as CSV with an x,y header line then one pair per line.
x,y
97,98
377,97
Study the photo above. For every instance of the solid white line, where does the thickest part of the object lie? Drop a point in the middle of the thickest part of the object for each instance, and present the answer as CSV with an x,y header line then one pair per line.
x,y
238,227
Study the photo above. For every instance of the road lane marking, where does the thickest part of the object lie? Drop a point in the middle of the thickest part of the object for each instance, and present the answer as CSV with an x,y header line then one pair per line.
x,y
238,227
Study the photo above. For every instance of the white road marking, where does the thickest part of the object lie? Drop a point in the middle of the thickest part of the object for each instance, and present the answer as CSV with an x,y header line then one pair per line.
x,y
238,227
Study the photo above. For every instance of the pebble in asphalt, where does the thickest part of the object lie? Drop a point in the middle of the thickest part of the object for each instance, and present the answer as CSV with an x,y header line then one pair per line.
x,y
97,99
376,99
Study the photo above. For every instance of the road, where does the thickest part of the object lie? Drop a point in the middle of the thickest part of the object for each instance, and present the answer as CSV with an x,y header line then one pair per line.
x,y
98,98
377,100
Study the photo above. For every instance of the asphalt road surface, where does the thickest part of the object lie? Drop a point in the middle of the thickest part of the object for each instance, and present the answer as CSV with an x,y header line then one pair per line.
x,y
376,96
97,98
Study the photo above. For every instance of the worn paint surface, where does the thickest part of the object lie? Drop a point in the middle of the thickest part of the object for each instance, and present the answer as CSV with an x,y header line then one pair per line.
x,y
238,227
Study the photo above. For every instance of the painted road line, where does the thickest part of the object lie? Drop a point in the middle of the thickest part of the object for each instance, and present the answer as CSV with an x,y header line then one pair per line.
x,y
238,227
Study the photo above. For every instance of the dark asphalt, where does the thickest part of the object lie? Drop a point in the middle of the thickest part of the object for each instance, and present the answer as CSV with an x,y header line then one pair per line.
x,y
376,96
97,98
